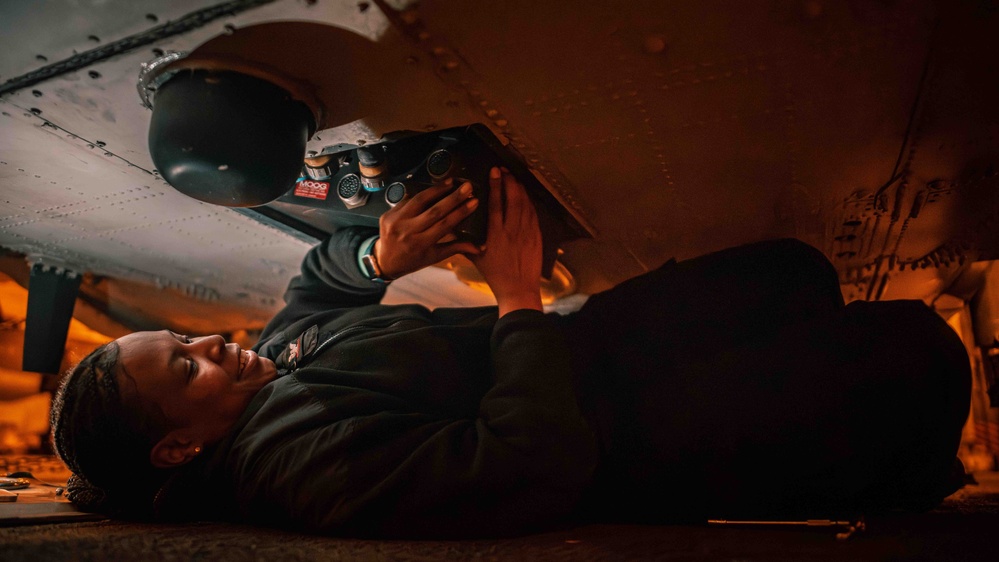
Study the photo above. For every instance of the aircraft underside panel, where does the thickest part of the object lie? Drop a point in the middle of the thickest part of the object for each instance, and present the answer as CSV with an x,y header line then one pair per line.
x,y
870,130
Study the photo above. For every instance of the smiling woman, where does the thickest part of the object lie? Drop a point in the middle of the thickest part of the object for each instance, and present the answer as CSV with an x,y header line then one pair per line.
x,y
200,385
149,399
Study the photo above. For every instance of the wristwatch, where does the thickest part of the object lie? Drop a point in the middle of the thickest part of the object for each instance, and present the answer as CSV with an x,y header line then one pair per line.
x,y
369,263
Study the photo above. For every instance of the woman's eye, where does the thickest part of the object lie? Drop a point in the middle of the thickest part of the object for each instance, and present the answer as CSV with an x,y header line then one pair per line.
x,y
192,369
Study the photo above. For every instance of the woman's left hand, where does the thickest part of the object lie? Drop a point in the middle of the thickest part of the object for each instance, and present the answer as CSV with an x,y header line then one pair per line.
x,y
410,233
511,262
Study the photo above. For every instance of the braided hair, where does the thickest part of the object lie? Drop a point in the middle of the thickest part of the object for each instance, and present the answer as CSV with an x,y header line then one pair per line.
x,y
105,439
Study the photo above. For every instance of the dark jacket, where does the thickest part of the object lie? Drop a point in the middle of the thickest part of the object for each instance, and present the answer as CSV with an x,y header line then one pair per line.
x,y
405,421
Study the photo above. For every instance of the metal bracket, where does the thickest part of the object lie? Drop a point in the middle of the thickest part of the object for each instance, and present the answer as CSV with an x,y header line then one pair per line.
x,y
51,297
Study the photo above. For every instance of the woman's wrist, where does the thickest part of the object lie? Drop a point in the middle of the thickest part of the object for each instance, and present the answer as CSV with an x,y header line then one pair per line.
x,y
520,301
387,274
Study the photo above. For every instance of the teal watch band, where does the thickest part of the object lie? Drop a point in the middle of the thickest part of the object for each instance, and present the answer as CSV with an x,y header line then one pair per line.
x,y
369,263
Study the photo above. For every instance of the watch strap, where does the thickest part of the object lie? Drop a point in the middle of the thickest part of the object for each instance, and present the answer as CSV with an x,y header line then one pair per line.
x,y
369,263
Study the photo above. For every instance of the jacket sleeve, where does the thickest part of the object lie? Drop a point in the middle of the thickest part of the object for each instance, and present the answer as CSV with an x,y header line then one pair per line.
x,y
381,467
330,278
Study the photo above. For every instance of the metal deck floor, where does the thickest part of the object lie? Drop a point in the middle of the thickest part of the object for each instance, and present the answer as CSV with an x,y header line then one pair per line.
x,y
962,528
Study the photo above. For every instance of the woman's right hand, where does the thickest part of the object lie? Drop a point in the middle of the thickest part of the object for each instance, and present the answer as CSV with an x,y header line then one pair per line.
x,y
415,233
511,261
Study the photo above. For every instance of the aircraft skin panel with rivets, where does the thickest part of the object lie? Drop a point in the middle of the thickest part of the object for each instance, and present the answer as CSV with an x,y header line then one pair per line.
x,y
654,130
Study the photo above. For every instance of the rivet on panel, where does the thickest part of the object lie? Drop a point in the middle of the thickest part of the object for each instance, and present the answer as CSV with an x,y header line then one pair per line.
x,y
409,17
654,44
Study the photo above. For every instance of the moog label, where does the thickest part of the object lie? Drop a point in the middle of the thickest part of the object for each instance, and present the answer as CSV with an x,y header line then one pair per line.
x,y
312,189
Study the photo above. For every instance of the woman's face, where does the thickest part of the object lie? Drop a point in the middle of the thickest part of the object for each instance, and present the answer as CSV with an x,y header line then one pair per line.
x,y
201,385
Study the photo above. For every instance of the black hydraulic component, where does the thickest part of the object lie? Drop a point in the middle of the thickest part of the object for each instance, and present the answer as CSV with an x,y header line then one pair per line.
x,y
409,164
51,297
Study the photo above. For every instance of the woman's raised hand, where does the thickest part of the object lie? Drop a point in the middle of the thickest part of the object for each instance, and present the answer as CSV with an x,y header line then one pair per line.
x,y
511,260
410,233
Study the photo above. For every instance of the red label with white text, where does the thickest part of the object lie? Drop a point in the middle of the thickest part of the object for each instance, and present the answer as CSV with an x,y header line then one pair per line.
x,y
312,189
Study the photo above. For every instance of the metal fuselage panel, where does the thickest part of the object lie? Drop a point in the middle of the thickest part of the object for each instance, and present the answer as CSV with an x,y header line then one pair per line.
x,y
866,129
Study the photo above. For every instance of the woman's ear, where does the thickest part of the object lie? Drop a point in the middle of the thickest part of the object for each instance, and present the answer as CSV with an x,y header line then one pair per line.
x,y
174,450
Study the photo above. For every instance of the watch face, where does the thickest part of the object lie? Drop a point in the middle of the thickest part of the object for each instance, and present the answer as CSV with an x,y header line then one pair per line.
x,y
370,271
